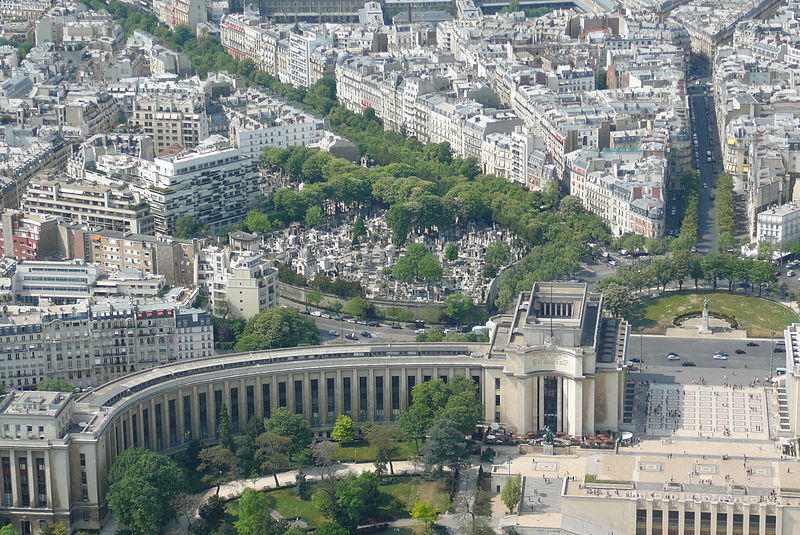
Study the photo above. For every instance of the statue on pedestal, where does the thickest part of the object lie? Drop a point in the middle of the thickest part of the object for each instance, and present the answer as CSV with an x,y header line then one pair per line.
x,y
704,328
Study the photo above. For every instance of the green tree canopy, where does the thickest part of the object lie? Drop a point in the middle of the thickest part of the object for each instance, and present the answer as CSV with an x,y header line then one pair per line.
x,y
277,327
289,425
444,447
142,486
343,429
459,307
186,227
511,493
55,385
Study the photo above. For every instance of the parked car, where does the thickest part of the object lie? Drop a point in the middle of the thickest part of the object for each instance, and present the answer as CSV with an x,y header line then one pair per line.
x,y
636,360
397,326
740,351
673,357
351,336
366,334
688,364
420,331
779,350
333,332
752,344
720,356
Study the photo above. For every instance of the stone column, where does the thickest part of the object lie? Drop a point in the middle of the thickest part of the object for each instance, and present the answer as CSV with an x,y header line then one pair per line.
x,y
323,399
560,404
180,429
524,409
32,491
12,457
211,413
588,401
47,478
575,393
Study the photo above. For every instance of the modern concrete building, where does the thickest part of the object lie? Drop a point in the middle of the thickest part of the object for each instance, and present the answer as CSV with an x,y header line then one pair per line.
x,y
27,237
171,119
239,284
96,205
213,183
556,361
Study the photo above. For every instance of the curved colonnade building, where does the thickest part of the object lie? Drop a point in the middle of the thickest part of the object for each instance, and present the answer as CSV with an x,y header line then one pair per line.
x,y
555,361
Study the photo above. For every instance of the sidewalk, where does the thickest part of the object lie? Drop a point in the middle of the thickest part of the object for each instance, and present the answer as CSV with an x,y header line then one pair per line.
x,y
235,488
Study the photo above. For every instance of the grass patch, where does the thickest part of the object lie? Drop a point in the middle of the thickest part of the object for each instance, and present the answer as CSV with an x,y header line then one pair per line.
x,y
759,316
363,453
399,494
409,490
290,506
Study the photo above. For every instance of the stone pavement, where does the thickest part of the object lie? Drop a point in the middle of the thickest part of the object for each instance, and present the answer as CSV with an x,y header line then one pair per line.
x,y
702,411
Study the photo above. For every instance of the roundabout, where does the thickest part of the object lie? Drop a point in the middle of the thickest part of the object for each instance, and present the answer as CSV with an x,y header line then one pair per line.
x,y
758,316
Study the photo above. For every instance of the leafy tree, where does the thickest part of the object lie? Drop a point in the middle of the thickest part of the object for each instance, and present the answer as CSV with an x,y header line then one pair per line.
x,y
272,452
331,528
301,486
662,272
444,447
654,246
218,464
343,430
429,269
244,450
277,327
254,427
359,307
425,512
289,425
618,300
414,424
257,222
458,307
8,529
213,511
55,385
498,254
359,231
186,227
224,429
383,439
313,296
451,252
512,492
464,411
314,216
142,486
322,453
601,79
254,517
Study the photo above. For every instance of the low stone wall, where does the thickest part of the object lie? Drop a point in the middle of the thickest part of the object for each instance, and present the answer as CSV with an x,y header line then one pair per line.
x,y
298,294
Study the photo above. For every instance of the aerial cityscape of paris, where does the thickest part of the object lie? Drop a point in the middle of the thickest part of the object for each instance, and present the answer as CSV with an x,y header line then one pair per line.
x,y
399,267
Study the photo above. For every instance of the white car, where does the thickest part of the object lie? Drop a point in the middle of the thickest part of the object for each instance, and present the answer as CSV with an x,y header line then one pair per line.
x,y
333,332
673,356
420,331
720,356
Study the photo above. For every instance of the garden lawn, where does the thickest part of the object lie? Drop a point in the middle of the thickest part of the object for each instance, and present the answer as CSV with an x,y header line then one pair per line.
x,y
759,316
290,506
363,453
409,490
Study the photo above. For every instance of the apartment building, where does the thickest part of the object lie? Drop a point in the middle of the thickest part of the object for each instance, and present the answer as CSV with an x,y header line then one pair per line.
x,y
779,224
239,284
258,121
301,46
152,255
96,205
213,183
171,119
27,237
89,344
